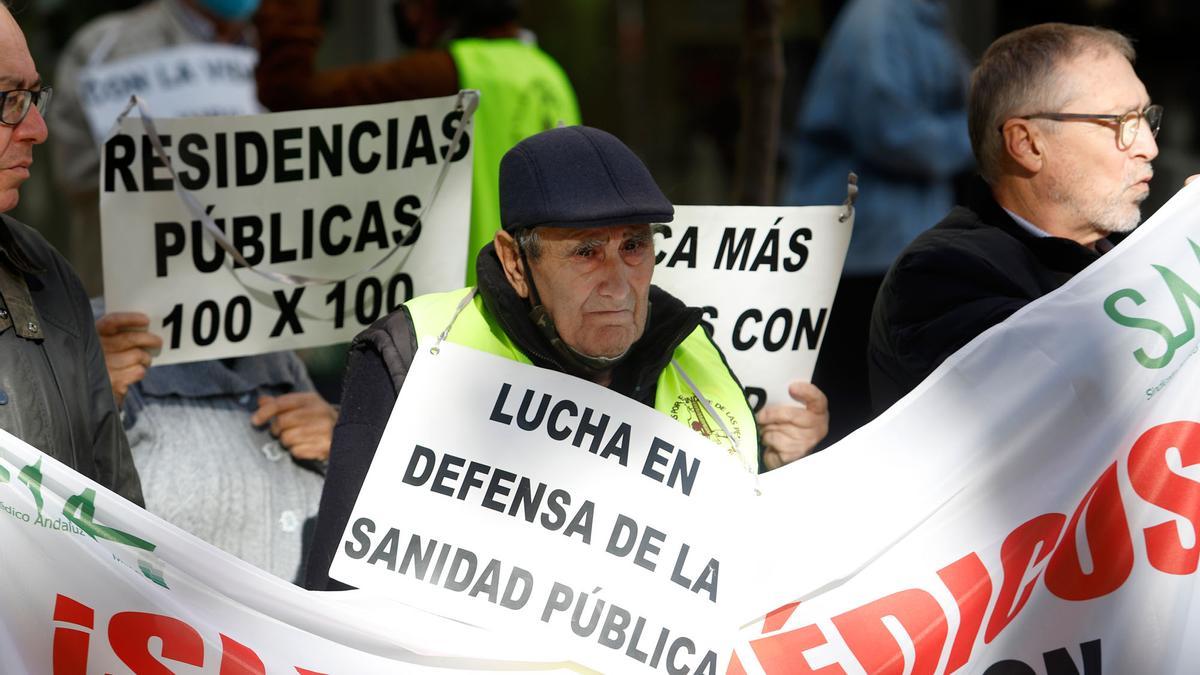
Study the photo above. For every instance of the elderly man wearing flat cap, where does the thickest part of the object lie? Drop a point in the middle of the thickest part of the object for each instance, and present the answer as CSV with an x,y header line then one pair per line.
x,y
565,285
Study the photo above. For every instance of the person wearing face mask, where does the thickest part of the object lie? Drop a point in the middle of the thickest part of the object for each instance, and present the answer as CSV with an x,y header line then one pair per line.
x,y
453,45
565,285
151,27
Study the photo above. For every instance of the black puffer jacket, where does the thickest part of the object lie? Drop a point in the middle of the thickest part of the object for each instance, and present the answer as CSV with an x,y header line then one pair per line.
x,y
54,388
966,274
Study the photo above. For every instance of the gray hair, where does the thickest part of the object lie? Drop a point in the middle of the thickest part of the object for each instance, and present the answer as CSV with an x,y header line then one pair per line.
x,y
1020,72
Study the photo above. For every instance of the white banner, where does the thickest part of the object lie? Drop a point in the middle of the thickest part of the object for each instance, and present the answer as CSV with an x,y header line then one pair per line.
x,y
1032,507
562,505
197,80
90,583
765,277
317,193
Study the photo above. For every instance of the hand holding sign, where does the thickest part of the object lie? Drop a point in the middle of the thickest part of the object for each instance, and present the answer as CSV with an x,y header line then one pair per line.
x,y
790,432
127,346
302,421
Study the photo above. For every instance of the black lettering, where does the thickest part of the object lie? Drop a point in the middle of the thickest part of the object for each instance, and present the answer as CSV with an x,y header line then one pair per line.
x,y
497,414
119,153
768,253
360,531
327,244
499,485
189,144
464,563
769,343
740,343
325,152
558,600
414,554
168,241
244,175
525,422
152,163
387,549
552,428
625,527
283,153
449,126
420,466
288,312
807,328
408,219
420,143
279,254
657,455
447,471
357,163
526,501
586,428
798,247
371,230
557,503
472,480
686,251
247,234
682,470
731,251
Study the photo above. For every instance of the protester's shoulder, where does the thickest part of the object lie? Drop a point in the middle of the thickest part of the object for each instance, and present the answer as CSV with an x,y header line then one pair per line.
x,y
393,340
34,246
962,241
56,275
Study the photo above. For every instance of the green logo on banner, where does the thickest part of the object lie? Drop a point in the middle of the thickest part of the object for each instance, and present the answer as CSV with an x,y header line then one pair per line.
x,y
81,509
31,476
1185,296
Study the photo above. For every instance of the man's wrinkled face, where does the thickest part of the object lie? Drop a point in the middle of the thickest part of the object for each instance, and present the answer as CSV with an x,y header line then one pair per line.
x,y
595,284
16,142
1099,186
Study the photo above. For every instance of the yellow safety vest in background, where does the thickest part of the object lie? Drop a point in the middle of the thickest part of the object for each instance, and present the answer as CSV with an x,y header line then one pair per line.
x,y
697,355
522,91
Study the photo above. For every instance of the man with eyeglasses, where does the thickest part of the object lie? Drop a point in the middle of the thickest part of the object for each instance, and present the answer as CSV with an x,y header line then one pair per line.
x,y
1063,131
54,390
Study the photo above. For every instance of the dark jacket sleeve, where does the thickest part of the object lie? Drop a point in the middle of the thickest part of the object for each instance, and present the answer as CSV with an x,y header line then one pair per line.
x,y
114,461
367,400
931,305
89,395
290,33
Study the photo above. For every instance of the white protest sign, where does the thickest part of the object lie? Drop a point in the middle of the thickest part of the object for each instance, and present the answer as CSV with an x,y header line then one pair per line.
x,y
556,505
318,193
196,80
90,583
765,277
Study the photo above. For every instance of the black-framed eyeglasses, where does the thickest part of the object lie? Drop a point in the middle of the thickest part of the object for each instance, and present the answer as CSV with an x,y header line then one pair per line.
x,y
15,104
1127,125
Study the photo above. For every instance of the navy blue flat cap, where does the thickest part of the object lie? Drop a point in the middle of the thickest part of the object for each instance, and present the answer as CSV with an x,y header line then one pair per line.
x,y
577,177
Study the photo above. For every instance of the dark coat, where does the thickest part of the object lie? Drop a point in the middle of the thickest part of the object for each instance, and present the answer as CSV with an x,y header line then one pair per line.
x,y
56,393
968,273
